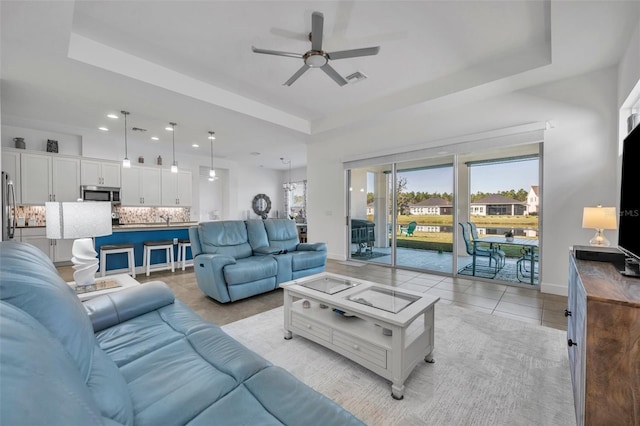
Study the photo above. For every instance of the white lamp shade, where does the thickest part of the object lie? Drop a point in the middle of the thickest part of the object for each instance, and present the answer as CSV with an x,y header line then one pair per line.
x,y
78,220
600,218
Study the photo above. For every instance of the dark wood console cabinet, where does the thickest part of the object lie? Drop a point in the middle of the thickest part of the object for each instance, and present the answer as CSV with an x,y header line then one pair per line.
x,y
603,337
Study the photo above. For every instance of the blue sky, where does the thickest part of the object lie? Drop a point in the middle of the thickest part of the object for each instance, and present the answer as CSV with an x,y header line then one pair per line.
x,y
490,178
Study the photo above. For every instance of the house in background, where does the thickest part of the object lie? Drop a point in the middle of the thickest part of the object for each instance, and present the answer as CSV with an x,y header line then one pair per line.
x,y
533,200
432,206
498,205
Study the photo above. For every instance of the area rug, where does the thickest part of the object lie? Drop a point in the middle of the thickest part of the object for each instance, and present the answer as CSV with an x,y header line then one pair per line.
x,y
488,371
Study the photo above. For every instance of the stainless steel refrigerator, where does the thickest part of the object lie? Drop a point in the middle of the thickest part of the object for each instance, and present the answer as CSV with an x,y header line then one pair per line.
x,y
8,207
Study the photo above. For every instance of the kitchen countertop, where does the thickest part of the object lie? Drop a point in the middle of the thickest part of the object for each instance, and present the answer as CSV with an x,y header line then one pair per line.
x,y
143,226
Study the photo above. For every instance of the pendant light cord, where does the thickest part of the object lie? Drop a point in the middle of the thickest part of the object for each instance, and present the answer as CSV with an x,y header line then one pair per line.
x,y
126,148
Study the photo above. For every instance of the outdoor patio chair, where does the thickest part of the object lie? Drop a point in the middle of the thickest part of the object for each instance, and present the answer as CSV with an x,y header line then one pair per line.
x,y
524,263
491,254
474,235
408,229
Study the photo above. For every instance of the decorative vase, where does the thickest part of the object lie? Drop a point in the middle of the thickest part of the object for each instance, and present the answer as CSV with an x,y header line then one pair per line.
x,y
20,143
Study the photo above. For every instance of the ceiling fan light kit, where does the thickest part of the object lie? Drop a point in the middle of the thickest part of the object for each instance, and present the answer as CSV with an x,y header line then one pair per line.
x,y
318,58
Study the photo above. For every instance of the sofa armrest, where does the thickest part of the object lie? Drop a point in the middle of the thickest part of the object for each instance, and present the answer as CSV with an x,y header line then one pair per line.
x,y
266,250
209,270
113,308
312,247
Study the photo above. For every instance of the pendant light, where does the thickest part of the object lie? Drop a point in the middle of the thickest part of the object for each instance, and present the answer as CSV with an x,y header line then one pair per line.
x,y
126,164
289,186
212,172
174,165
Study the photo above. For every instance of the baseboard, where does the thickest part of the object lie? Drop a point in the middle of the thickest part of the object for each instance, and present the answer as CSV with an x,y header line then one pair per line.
x,y
559,289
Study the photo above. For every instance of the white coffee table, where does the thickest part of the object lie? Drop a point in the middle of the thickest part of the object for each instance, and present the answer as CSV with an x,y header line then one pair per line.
x,y
124,280
383,328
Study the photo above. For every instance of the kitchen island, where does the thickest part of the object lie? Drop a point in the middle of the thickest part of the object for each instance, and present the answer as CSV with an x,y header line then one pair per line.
x,y
137,234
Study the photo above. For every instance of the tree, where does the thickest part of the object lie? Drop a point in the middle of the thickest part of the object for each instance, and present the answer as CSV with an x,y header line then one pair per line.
x,y
369,197
402,198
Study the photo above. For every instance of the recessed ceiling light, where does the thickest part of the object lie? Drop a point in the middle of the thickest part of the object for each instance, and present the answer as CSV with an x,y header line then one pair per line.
x,y
195,145
169,129
104,129
155,138
112,116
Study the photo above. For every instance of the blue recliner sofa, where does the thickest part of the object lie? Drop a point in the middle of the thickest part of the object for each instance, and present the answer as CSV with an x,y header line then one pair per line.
x,y
133,357
235,259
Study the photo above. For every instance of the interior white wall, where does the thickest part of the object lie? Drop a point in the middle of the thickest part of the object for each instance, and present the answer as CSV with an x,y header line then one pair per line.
x,y
580,155
36,140
629,69
251,181
212,196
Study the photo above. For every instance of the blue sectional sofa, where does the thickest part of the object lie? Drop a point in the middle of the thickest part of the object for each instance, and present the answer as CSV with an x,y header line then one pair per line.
x,y
133,357
235,259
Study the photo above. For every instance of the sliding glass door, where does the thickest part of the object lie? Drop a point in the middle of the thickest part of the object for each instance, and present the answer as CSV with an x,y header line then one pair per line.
x,y
424,215
502,213
411,214
370,214
403,217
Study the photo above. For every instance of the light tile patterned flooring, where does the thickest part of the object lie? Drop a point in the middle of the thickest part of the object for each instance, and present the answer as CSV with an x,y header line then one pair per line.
x,y
522,304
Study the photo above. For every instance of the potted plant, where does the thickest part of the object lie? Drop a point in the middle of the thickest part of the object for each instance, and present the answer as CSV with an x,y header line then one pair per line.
x,y
508,236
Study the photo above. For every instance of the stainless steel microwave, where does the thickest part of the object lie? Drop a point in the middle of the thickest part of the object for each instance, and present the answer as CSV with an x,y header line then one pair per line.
x,y
100,193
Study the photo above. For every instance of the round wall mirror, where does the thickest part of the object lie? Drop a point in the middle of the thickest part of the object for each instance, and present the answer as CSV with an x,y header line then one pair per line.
x,y
261,205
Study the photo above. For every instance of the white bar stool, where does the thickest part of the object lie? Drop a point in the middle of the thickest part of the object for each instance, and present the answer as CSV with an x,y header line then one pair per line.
x,y
182,252
167,246
113,249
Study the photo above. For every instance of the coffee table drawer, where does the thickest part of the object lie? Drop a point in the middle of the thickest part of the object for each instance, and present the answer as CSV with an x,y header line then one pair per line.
x,y
365,350
312,327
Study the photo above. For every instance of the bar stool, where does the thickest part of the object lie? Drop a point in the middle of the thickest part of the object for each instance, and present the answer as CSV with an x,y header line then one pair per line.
x,y
167,246
182,252
113,249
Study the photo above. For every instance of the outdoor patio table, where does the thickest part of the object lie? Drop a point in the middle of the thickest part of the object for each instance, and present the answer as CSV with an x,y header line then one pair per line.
x,y
525,242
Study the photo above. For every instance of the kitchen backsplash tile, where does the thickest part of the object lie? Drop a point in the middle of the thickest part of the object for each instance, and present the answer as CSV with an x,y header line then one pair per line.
x,y
35,215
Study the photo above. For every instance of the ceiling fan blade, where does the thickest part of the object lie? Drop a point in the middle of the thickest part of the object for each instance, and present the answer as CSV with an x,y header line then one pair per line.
x,y
276,52
317,22
297,75
365,51
334,74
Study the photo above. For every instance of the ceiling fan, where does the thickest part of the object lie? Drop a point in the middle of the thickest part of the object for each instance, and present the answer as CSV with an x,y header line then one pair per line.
x,y
318,58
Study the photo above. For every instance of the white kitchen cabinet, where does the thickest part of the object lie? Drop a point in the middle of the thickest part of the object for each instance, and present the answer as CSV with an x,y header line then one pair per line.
x,y
48,178
141,186
100,173
11,165
177,188
57,250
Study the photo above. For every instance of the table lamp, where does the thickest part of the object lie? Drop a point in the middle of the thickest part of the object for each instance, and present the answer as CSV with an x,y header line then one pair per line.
x,y
599,218
81,221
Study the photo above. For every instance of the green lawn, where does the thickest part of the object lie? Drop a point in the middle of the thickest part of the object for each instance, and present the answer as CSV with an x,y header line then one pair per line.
x,y
442,241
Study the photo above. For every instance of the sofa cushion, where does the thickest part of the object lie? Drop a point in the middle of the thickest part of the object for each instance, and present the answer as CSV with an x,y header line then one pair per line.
x,y
171,358
40,384
250,269
308,260
45,296
257,234
282,233
227,237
